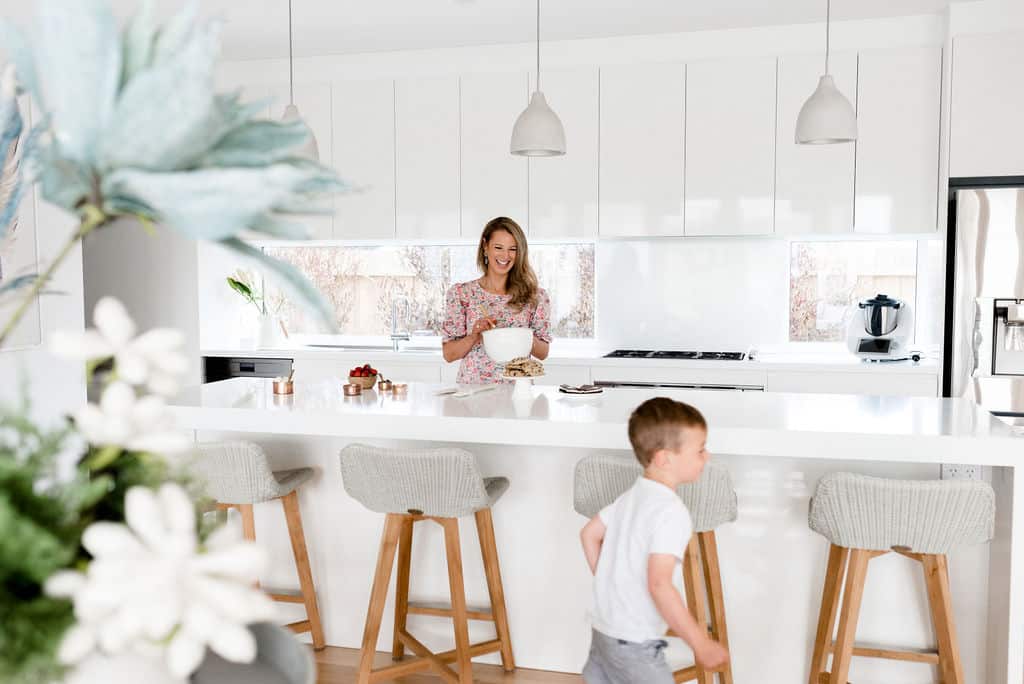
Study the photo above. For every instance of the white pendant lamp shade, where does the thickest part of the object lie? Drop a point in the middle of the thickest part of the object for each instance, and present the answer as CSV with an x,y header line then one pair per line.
x,y
538,131
310,150
826,117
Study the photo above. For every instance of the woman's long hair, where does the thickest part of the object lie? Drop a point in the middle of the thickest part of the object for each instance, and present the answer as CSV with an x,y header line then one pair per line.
x,y
522,281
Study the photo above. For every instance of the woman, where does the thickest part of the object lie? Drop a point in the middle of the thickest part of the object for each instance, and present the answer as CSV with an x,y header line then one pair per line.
x,y
505,296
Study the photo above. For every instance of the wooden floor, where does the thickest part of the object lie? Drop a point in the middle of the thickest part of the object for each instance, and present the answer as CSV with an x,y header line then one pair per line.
x,y
338,666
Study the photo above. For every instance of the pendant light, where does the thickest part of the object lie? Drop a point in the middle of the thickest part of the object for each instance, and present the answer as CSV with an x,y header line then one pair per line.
x,y
309,150
538,131
827,116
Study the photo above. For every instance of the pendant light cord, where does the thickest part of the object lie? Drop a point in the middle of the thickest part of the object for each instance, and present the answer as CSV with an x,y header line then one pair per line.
x,y
828,27
291,59
538,46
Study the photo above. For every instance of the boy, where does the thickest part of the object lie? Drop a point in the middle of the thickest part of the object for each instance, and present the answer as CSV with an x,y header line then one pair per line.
x,y
633,546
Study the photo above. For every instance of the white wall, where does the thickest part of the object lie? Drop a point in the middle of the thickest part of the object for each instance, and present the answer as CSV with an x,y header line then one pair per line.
x,y
56,387
154,275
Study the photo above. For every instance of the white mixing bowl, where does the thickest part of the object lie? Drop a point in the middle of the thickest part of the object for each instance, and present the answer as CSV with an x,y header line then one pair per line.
x,y
505,344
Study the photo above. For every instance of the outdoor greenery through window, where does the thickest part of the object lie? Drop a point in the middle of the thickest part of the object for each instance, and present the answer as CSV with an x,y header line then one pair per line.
x,y
825,278
362,282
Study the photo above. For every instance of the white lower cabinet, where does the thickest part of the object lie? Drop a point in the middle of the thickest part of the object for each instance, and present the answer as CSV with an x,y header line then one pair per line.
x,y
881,383
555,374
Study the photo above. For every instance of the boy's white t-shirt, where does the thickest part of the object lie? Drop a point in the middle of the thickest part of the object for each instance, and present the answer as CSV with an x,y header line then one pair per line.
x,y
648,518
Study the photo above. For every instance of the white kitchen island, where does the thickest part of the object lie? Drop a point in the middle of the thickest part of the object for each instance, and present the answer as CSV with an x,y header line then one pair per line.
x,y
775,445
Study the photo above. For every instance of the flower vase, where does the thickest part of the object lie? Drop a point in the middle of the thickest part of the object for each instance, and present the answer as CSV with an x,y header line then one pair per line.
x,y
123,667
268,336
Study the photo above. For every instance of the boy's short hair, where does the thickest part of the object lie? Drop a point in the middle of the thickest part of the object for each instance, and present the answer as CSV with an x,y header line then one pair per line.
x,y
655,425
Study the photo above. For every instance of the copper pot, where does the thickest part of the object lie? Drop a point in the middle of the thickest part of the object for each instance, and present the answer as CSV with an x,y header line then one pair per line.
x,y
352,389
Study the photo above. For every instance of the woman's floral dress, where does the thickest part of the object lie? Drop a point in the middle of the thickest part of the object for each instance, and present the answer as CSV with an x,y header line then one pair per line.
x,y
466,303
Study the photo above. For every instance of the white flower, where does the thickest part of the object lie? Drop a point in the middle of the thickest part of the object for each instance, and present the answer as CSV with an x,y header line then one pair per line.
x,y
149,583
152,359
122,420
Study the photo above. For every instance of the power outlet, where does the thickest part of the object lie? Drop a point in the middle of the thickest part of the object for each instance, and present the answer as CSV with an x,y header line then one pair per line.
x,y
960,471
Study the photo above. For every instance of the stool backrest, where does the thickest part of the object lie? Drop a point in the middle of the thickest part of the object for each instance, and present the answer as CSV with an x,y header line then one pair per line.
x,y
235,472
602,478
444,483
925,516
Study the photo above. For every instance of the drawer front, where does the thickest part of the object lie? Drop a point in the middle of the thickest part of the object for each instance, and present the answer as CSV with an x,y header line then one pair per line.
x,y
887,384
751,377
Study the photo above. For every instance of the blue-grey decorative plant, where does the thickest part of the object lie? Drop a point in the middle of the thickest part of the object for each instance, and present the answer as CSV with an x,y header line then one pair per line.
x,y
132,128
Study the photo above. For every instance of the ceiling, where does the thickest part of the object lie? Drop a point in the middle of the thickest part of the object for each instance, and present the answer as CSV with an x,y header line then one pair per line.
x,y
258,28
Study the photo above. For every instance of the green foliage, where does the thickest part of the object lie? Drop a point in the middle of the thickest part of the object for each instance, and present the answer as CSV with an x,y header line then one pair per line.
x,y
42,516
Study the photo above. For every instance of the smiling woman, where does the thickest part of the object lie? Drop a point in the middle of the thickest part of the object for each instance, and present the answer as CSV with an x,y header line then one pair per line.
x,y
505,296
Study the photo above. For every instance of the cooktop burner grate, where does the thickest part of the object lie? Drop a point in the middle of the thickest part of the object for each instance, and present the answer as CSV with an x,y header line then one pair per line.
x,y
674,354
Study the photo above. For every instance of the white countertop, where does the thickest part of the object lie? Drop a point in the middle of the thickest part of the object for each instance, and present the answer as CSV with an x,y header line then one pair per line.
x,y
582,356
816,426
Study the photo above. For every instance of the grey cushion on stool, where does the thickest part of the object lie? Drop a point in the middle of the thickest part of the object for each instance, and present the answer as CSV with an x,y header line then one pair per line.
x,y
239,473
602,478
444,483
926,516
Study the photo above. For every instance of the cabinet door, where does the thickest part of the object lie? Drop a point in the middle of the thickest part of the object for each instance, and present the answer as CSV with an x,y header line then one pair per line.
x,y
899,99
314,103
987,135
643,110
563,190
364,154
730,147
494,181
427,157
813,183
880,384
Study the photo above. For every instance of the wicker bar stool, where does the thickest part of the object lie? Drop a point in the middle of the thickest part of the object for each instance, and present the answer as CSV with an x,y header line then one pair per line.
x,y
442,485
711,500
238,475
865,517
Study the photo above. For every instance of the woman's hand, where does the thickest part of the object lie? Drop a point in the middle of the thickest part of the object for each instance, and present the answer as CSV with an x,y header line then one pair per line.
x,y
483,324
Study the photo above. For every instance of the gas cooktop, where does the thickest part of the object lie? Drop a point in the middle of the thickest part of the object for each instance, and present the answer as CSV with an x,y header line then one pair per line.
x,y
698,355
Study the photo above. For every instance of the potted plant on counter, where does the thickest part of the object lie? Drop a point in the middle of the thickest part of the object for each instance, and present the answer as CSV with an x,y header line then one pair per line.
x,y
269,327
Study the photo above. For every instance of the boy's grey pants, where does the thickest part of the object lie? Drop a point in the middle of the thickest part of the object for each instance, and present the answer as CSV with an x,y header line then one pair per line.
x,y
614,661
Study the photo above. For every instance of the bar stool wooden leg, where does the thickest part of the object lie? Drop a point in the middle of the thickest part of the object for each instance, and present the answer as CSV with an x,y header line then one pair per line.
x,y
936,576
716,601
492,569
856,573
379,594
402,587
290,503
695,598
248,521
453,551
837,559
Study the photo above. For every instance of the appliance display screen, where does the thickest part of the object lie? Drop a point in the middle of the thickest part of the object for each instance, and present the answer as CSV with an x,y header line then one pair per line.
x,y
873,346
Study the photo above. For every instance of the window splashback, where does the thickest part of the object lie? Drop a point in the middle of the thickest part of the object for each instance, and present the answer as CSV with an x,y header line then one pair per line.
x,y
362,282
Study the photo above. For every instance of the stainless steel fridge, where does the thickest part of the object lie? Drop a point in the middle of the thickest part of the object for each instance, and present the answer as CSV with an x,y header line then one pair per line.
x,y
983,350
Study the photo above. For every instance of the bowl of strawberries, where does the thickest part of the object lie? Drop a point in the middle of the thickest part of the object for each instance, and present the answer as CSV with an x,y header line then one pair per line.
x,y
365,375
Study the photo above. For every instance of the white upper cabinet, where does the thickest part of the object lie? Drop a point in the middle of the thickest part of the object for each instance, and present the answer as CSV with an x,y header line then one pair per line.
x,y
364,155
813,183
730,147
899,100
314,103
427,157
987,118
642,132
494,181
563,190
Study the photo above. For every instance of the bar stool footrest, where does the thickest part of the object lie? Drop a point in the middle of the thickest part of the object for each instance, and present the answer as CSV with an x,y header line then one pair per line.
x,y
285,595
441,609
435,661
913,655
300,627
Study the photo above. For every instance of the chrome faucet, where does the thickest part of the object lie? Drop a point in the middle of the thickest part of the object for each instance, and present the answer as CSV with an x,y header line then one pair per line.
x,y
396,336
